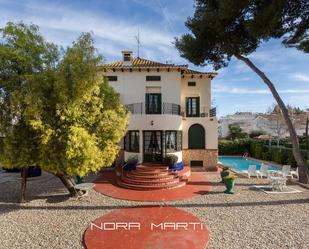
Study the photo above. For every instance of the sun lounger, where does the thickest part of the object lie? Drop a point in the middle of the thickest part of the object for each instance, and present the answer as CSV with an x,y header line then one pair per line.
x,y
263,171
286,171
251,171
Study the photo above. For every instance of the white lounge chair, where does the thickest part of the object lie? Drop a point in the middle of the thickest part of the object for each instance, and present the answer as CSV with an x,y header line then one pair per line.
x,y
263,171
251,171
294,172
286,171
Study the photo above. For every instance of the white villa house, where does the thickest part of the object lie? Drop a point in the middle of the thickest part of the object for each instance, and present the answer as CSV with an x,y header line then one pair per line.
x,y
170,108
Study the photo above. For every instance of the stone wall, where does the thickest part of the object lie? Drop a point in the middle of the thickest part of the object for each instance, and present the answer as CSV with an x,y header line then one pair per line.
x,y
208,156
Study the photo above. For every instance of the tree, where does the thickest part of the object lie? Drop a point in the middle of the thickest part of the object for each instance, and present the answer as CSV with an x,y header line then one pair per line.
x,y
60,112
235,132
223,29
24,55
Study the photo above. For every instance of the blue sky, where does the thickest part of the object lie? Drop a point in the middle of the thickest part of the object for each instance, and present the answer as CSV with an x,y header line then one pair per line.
x,y
115,23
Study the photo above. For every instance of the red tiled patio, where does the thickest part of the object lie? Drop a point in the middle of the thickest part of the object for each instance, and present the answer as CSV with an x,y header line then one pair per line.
x,y
147,227
196,185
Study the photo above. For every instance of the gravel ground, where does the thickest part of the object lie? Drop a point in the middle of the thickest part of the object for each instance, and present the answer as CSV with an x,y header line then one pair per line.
x,y
248,219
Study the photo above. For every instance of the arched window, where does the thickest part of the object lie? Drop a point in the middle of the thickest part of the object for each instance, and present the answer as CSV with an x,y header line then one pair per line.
x,y
196,137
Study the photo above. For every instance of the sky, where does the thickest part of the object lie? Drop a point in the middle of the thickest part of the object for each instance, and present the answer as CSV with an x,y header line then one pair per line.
x,y
115,24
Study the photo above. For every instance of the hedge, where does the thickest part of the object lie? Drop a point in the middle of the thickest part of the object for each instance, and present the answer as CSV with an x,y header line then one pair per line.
x,y
257,149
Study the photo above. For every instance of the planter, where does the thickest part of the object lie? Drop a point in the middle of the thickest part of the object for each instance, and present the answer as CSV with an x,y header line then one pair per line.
x,y
176,166
229,186
224,174
129,166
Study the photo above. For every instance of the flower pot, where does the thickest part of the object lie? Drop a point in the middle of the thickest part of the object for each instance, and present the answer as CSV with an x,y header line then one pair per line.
x,y
129,166
34,171
229,186
224,174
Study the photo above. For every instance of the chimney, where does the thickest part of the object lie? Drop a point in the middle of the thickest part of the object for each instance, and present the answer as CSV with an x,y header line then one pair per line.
x,y
127,57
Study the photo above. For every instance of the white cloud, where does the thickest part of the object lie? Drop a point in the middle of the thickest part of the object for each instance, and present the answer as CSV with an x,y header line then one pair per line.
x,y
239,90
300,77
113,33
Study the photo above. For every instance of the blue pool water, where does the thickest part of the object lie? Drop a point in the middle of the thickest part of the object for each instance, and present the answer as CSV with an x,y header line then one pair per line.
x,y
240,163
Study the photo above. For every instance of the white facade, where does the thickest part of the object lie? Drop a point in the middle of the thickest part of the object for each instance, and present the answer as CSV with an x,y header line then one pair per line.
x,y
170,82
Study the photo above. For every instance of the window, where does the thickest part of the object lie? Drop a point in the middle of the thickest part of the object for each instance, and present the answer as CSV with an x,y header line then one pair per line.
x,y
131,141
112,78
193,106
196,137
153,78
191,83
127,57
153,103
173,141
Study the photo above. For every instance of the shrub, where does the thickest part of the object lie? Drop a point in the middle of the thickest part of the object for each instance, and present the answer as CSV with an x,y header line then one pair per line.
x,y
170,159
225,168
133,159
229,178
236,147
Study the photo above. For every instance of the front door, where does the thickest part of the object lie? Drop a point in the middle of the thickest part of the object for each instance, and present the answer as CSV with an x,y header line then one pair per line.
x,y
152,146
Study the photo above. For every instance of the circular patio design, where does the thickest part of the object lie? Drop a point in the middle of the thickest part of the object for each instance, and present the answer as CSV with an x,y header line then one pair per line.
x,y
147,227
197,185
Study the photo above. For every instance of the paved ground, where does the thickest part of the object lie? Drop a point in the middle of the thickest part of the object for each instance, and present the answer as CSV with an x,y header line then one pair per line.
x,y
248,219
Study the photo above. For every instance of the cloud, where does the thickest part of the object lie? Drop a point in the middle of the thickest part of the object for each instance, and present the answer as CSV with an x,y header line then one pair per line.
x,y
239,90
112,33
300,77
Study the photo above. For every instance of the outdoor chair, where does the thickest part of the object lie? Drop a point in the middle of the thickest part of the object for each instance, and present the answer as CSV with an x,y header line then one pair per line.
x,y
251,171
286,171
263,171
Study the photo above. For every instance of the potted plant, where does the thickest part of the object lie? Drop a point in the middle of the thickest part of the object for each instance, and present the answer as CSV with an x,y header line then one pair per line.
x,y
229,182
131,162
171,160
225,172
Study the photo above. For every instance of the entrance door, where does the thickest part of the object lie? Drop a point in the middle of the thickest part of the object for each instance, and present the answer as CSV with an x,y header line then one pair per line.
x,y
152,146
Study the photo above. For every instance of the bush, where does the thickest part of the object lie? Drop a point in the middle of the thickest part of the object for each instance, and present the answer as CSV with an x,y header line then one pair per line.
x,y
132,159
229,178
171,159
236,147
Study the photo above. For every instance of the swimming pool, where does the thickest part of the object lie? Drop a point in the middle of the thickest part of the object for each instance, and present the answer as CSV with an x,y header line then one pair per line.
x,y
240,163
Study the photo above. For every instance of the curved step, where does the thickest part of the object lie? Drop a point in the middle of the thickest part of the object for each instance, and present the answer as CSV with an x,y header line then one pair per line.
x,y
150,181
134,176
151,173
151,187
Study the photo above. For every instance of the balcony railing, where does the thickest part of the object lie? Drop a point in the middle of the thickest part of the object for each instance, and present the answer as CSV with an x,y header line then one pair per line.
x,y
167,108
209,113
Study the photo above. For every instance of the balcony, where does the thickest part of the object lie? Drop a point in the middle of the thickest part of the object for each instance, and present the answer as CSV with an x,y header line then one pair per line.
x,y
167,108
205,113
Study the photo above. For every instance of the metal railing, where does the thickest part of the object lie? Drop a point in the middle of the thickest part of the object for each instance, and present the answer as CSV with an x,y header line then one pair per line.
x,y
167,108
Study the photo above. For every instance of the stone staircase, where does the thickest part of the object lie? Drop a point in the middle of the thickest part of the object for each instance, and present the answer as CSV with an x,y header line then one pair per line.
x,y
151,177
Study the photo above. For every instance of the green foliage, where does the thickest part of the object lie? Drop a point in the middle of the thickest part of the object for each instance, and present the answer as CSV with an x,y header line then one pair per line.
x,y
225,168
236,132
222,29
57,111
256,133
229,178
236,147
170,159
133,159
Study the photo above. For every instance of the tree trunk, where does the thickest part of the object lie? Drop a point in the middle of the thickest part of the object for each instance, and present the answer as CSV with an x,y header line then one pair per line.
x,y
24,173
69,184
303,168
